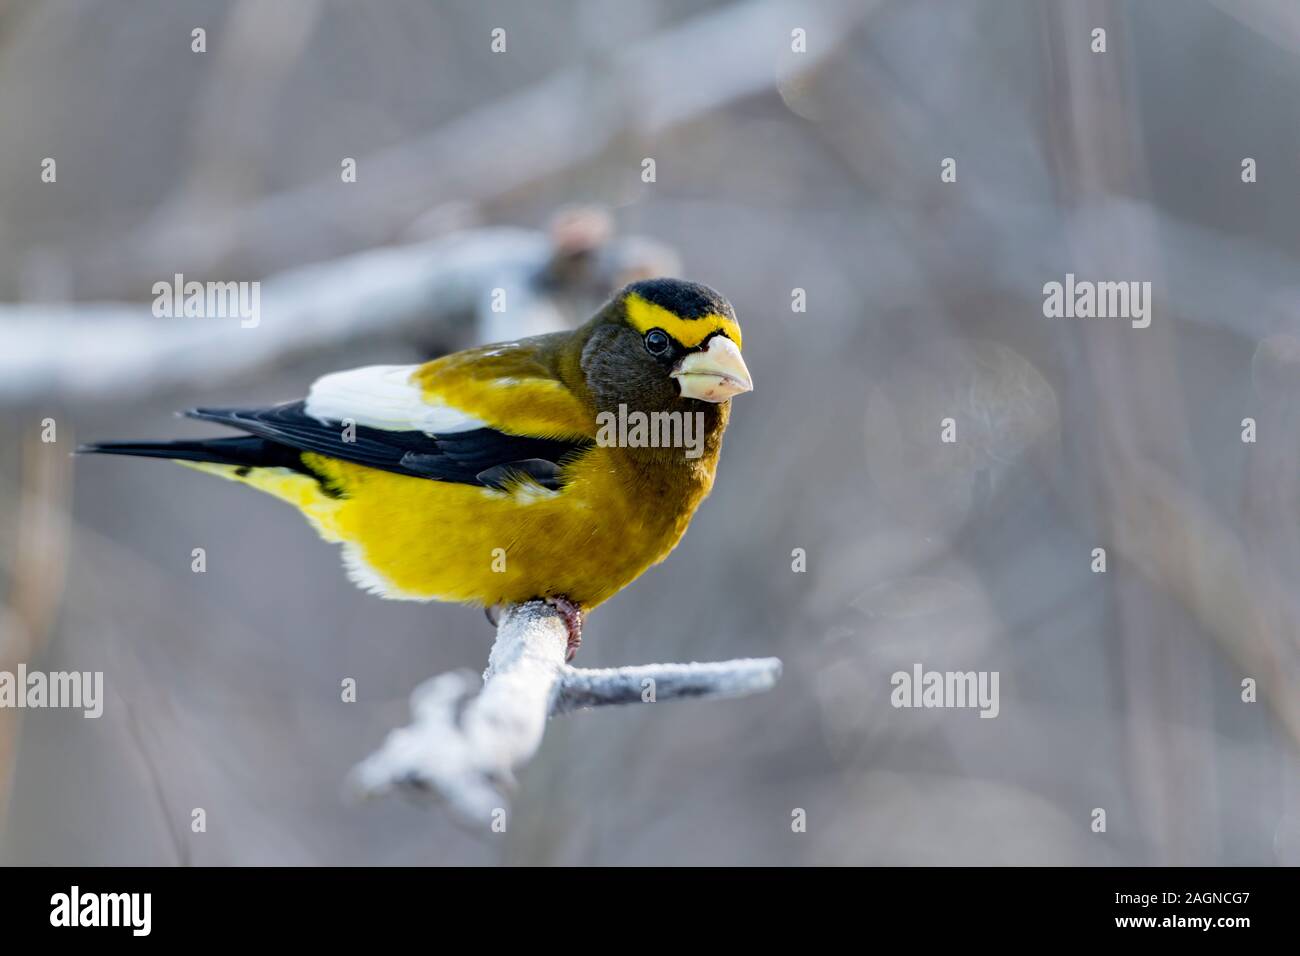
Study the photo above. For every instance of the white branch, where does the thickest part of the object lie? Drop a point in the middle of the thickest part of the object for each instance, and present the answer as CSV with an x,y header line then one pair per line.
x,y
90,350
464,747
581,688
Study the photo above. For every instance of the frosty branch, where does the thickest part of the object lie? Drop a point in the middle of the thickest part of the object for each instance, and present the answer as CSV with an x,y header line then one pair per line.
x,y
464,747
446,292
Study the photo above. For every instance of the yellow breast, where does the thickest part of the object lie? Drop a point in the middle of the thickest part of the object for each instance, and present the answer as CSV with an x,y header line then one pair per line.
x,y
418,539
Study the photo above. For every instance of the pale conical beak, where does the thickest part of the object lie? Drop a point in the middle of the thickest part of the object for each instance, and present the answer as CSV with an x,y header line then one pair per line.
x,y
715,374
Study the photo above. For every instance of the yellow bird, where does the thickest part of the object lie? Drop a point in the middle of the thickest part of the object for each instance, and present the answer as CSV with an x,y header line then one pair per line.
x,y
557,467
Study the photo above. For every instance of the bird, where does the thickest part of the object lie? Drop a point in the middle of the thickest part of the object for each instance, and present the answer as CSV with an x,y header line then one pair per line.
x,y
494,476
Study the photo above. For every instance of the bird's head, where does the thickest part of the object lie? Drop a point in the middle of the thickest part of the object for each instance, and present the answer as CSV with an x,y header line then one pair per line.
x,y
664,342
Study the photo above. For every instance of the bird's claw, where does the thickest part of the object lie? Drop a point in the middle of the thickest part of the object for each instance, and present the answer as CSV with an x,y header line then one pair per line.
x,y
572,621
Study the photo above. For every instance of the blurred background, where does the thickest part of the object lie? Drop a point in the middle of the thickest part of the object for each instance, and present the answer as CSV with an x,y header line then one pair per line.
x,y
775,170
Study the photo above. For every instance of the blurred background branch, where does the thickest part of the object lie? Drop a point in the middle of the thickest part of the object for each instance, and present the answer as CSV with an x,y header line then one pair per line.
x,y
435,296
620,96
35,566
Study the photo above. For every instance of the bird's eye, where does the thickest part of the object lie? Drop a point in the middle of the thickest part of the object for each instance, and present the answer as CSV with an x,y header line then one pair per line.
x,y
656,342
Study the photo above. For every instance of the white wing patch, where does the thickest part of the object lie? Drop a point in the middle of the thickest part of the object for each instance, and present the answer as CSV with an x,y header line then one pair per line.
x,y
383,396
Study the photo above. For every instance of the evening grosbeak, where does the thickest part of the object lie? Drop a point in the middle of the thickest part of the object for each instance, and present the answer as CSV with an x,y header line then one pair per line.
x,y
484,477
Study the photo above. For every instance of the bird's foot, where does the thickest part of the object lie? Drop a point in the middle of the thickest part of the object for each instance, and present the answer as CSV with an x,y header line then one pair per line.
x,y
493,613
572,620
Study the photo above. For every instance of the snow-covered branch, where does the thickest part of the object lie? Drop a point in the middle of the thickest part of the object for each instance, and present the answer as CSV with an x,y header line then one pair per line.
x,y
475,285
464,746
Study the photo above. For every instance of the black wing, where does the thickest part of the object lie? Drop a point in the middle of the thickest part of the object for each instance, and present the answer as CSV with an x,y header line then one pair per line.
x,y
483,456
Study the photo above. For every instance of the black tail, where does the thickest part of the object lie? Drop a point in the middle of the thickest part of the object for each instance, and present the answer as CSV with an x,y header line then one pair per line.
x,y
246,450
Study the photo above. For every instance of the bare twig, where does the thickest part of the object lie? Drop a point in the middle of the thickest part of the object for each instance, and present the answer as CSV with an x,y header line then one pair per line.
x,y
465,748
40,557
180,846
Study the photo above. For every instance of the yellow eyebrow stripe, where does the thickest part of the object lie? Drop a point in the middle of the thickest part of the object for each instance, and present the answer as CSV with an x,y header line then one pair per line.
x,y
645,316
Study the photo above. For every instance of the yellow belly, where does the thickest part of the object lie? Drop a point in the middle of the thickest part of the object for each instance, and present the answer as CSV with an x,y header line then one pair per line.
x,y
417,539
